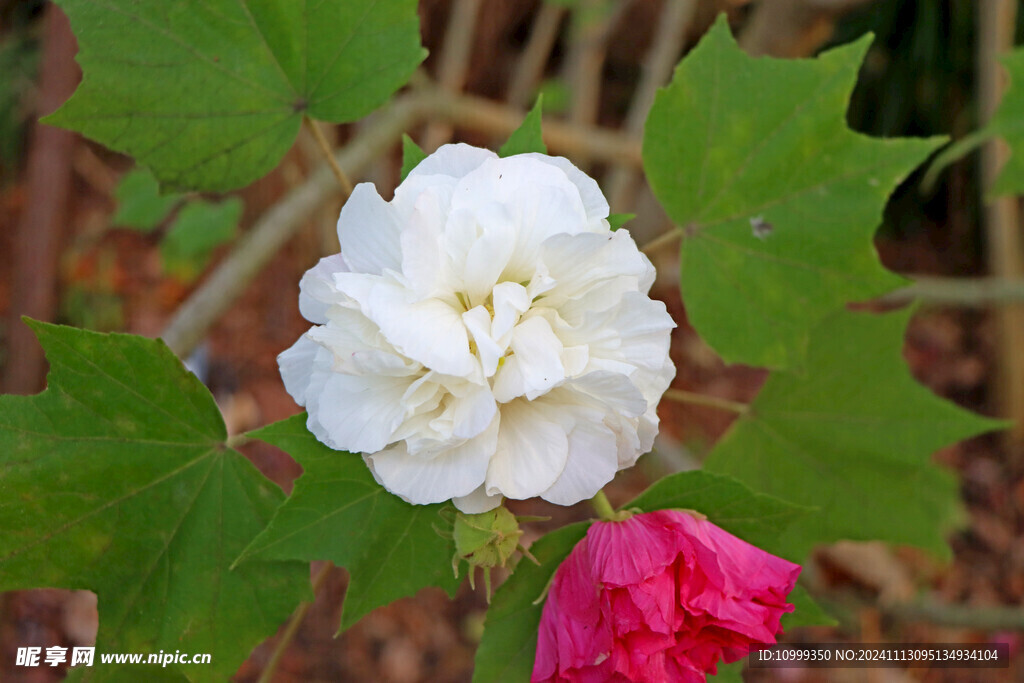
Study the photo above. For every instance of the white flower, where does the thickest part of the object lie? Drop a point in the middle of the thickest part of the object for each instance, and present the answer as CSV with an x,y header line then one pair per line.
x,y
484,334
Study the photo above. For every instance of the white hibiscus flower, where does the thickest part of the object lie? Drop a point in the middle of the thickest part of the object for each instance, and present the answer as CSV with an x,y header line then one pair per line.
x,y
484,334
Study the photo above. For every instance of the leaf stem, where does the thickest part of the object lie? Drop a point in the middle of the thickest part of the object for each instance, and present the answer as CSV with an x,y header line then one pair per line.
x,y
293,626
325,147
684,396
237,440
663,240
603,507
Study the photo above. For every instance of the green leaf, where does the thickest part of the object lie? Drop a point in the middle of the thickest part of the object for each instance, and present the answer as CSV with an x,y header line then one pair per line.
x,y
528,137
1008,123
412,155
139,202
807,612
337,512
117,479
729,673
756,518
617,220
853,436
200,227
509,644
775,198
210,94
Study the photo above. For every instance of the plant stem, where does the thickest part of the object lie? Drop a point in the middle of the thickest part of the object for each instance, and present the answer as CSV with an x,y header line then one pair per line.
x,y
602,507
237,440
292,627
325,147
663,240
684,396
530,67
969,292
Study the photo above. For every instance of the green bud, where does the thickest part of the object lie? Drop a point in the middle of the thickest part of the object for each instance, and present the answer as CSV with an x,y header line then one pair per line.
x,y
486,540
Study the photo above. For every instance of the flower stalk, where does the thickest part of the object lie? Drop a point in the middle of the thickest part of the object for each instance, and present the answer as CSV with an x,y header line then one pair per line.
x,y
604,509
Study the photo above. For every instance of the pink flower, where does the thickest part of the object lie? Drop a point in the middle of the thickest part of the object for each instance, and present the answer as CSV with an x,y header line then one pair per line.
x,y
659,597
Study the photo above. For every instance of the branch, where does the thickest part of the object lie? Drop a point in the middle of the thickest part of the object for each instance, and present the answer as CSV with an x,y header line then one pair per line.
x,y
1004,245
530,67
966,292
455,54
577,140
273,229
669,41
994,618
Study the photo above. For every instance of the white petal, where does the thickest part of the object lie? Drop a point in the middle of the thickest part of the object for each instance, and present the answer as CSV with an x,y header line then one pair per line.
x,y
451,473
428,331
593,199
478,501
473,412
297,365
635,331
353,353
425,265
510,300
468,410
578,262
478,323
369,230
455,160
531,452
592,462
536,363
358,414
539,199
489,254
317,292
609,390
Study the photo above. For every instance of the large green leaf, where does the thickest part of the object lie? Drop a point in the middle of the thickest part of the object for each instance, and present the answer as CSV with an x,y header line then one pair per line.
x,y
117,479
338,512
853,435
509,645
775,197
210,93
1008,123
756,518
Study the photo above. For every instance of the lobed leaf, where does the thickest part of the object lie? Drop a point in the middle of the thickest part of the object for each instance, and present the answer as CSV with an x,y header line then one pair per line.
x,y
210,94
776,199
117,479
853,436
337,512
